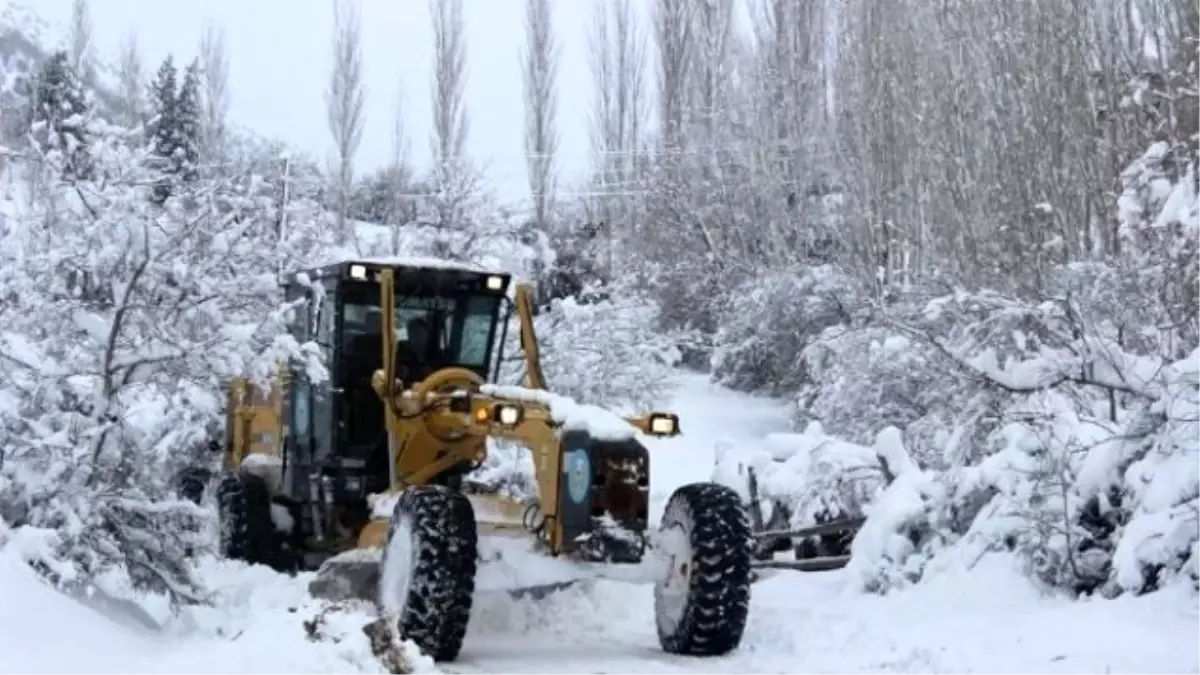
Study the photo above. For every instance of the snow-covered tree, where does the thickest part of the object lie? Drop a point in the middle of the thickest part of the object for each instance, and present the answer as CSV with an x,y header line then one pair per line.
x,y
186,156
174,129
60,115
541,57
120,330
131,86
344,107
458,200
83,51
215,68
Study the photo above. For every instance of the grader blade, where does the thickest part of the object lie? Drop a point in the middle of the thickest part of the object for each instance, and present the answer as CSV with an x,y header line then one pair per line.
x,y
509,558
353,575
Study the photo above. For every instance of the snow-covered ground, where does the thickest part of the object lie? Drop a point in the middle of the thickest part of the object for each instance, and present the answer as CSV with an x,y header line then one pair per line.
x,y
990,620
713,420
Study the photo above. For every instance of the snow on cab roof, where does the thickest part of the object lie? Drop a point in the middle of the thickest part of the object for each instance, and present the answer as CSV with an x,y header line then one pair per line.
x,y
421,261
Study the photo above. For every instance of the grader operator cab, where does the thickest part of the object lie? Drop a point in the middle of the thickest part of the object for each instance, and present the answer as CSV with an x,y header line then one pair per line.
x,y
365,469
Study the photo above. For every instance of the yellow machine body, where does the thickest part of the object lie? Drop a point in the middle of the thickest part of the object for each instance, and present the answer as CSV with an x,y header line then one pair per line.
x,y
437,423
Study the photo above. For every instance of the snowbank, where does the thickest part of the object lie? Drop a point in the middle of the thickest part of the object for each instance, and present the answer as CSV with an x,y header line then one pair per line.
x,y
258,621
262,621
44,631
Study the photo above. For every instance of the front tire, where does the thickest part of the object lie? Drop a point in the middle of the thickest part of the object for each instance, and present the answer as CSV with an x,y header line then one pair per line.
x,y
702,605
427,582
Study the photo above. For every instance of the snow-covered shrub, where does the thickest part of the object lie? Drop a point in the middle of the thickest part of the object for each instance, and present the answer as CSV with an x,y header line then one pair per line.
x,y
865,379
606,352
903,528
602,349
931,370
1036,433
120,322
808,477
1088,504
766,323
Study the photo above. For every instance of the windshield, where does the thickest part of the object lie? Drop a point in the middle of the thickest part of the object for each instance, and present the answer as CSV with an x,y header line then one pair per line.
x,y
430,329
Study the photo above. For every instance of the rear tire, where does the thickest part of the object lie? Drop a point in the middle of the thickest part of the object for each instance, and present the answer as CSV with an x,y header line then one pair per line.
x,y
427,582
192,483
702,606
244,512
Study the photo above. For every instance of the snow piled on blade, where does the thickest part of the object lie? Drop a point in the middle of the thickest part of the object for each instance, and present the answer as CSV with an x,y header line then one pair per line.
x,y
573,416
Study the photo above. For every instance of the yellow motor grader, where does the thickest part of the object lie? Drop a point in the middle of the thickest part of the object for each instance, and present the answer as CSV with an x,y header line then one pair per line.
x,y
364,475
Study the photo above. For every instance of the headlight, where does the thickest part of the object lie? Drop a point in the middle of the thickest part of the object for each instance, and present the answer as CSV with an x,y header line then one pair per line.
x,y
495,283
663,425
507,414
358,272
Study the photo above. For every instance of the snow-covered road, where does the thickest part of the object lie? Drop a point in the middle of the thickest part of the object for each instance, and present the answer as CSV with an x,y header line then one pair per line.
x,y
711,418
991,620
988,620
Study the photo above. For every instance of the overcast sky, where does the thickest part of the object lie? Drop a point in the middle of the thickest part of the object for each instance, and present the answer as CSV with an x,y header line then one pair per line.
x,y
279,54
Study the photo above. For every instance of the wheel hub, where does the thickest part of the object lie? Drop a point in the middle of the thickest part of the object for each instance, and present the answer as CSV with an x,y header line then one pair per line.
x,y
672,590
396,576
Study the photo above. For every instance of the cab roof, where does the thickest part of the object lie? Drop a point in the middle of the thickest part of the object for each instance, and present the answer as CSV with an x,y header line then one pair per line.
x,y
409,272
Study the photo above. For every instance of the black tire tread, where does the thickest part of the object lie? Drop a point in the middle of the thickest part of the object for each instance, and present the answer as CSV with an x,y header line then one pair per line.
x,y
718,603
192,482
442,589
244,507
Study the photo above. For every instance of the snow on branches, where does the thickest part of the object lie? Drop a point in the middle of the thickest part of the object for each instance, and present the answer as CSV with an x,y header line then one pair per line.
x,y
601,348
120,320
1059,427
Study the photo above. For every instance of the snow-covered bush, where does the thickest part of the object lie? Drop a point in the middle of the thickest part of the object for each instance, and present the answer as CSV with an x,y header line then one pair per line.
x,y
803,479
931,370
903,529
602,348
1061,428
1087,502
606,352
766,323
864,379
